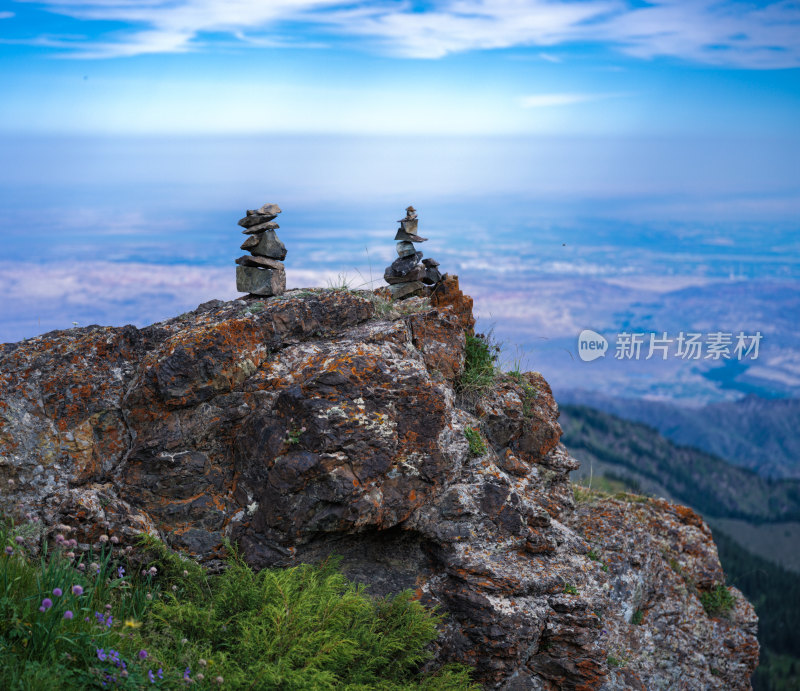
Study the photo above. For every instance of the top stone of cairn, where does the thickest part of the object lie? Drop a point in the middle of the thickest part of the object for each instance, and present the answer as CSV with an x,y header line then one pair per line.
x,y
263,214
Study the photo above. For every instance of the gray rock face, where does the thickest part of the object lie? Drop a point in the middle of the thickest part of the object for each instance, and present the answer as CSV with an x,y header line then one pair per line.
x,y
258,281
430,262
404,249
260,228
266,244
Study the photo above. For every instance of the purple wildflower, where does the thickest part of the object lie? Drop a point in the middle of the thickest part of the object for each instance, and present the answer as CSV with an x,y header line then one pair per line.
x,y
47,603
121,572
142,654
68,614
19,539
151,676
101,655
77,590
160,673
58,592
9,550
186,674
42,609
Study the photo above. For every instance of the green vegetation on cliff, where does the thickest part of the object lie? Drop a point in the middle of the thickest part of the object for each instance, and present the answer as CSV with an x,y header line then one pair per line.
x,y
110,620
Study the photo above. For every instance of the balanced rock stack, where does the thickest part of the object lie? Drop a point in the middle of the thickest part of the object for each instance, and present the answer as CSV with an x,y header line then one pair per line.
x,y
261,272
406,276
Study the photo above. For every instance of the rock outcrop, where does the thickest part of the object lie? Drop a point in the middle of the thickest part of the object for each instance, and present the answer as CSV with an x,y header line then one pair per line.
x,y
307,425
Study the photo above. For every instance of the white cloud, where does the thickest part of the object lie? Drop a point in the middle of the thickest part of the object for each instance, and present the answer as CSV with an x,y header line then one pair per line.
x,y
563,99
6,15
547,57
720,32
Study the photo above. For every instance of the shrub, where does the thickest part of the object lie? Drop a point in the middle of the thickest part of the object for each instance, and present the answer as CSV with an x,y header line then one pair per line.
x,y
172,623
717,602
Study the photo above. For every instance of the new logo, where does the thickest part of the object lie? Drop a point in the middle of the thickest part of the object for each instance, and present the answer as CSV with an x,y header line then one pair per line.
x,y
591,345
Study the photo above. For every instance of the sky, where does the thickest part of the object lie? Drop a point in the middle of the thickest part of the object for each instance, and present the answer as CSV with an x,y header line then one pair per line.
x,y
578,163
554,67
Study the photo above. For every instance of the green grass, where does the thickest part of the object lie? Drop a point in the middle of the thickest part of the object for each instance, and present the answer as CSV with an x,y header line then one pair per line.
x,y
570,589
637,618
477,446
480,371
306,627
717,602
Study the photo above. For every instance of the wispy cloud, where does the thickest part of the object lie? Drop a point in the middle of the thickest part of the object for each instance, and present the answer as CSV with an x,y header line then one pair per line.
x,y
547,57
6,15
719,32
562,99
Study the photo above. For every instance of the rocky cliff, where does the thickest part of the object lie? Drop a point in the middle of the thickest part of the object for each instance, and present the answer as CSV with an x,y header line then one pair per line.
x,y
325,422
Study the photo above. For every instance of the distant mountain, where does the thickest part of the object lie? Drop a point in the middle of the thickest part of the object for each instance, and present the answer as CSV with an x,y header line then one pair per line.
x,y
645,460
756,433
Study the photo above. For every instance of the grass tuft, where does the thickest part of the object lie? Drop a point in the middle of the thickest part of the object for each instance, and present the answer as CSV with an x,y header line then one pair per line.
x,y
477,446
480,371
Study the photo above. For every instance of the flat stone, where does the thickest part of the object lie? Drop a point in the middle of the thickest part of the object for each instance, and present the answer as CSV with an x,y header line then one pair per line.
x,y
402,236
404,249
432,275
255,219
250,242
403,290
266,244
260,228
265,210
409,225
249,260
430,262
251,279
402,265
417,273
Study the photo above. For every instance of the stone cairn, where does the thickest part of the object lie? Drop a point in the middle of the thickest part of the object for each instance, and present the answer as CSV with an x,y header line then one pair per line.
x,y
262,271
406,276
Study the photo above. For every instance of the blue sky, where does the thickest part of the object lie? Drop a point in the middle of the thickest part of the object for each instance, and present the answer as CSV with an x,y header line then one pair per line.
x,y
591,67
572,161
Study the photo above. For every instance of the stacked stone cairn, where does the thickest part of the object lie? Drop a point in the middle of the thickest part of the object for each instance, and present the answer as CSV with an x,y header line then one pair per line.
x,y
261,272
406,276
